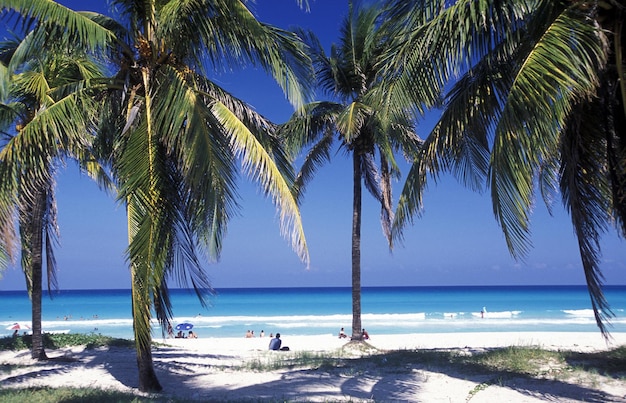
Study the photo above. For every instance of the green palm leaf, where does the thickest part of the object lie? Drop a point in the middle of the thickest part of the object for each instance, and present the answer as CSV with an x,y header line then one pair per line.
x,y
528,68
258,164
82,31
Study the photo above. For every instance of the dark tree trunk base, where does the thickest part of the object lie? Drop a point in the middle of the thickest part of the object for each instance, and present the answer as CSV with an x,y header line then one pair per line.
x,y
39,355
148,381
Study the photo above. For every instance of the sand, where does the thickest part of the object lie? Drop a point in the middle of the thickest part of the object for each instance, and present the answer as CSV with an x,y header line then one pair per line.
x,y
222,369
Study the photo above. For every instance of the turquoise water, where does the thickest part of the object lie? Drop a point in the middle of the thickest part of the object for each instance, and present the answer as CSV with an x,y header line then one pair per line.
x,y
311,311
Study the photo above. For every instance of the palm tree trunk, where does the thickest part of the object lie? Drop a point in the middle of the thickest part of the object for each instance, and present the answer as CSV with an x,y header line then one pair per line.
x,y
35,228
356,249
141,270
148,381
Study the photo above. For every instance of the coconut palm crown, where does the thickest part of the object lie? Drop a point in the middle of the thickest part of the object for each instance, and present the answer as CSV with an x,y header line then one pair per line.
x,y
538,109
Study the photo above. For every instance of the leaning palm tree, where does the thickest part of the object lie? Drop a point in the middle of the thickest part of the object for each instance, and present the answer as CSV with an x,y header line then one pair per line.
x,y
44,118
173,137
368,117
539,107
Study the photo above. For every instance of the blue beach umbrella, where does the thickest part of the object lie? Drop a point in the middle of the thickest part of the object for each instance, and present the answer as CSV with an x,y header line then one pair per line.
x,y
184,326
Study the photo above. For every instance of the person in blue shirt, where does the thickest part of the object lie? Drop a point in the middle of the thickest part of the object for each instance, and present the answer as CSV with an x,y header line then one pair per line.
x,y
275,342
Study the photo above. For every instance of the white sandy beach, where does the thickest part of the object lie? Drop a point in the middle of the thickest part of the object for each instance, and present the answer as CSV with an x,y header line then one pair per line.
x,y
219,369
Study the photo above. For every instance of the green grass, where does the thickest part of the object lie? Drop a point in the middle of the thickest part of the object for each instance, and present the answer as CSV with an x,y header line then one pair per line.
x,y
54,341
286,360
46,395
520,360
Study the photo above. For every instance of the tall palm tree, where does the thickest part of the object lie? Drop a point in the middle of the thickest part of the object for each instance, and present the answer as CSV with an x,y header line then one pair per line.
x,y
367,117
539,107
44,118
173,137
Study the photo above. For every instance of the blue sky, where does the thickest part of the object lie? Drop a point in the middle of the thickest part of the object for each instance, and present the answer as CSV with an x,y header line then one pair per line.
x,y
456,242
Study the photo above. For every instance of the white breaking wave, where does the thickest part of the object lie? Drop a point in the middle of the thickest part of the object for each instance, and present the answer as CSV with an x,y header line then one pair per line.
x,y
580,312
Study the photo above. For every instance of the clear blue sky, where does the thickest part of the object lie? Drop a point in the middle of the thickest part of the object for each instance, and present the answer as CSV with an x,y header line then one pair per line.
x,y
456,242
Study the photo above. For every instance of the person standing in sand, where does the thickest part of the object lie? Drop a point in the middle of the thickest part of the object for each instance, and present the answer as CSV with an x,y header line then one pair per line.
x,y
342,334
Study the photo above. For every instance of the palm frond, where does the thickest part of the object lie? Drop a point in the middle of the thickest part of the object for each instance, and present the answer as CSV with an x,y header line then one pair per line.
x,y
195,140
8,214
52,130
51,237
537,106
351,119
315,158
62,22
307,124
586,195
312,125
371,176
386,207
228,33
260,166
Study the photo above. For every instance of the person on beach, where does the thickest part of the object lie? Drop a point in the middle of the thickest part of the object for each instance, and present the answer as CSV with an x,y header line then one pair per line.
x,y
248,334
16,333
262,333
483,312
275,343
365,335
342,334
192,335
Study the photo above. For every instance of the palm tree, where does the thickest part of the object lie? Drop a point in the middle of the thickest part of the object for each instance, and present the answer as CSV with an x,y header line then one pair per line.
x,y
173,137
368,119
539,107
44,120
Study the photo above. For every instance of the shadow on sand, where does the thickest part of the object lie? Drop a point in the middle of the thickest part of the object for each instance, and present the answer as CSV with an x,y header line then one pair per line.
x,y
420,375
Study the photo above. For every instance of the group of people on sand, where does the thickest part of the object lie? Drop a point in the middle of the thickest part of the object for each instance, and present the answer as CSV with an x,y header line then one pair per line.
x,y
364,334
182,335
250,334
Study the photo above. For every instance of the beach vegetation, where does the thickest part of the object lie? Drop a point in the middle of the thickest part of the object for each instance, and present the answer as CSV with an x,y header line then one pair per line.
x,y
296,359
41,395
525,360
365,116
174,139
536,108
480,387
56,341
496,366
46,119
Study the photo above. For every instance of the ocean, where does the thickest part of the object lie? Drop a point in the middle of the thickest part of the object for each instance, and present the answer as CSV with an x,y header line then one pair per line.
x,y
312,311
